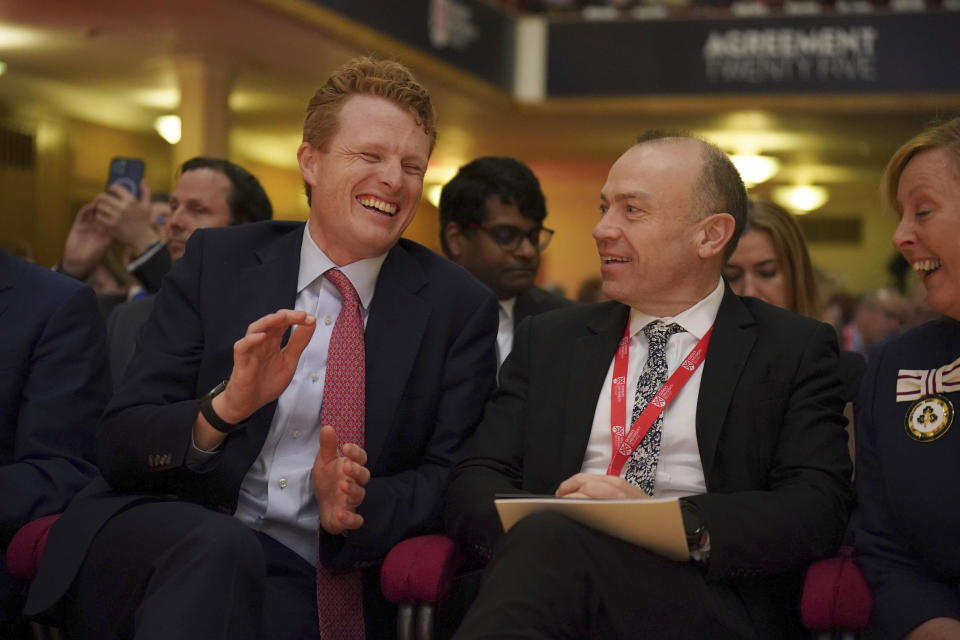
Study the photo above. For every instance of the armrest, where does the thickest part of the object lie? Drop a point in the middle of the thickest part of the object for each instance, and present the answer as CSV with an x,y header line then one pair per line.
x,y
26,547
835,595
420,569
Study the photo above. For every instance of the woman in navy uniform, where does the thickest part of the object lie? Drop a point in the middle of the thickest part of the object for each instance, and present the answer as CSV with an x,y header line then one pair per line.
x,y
908,445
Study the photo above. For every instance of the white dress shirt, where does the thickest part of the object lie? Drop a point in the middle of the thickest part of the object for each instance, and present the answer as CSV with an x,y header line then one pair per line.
x,y
276,495
679,470
505,330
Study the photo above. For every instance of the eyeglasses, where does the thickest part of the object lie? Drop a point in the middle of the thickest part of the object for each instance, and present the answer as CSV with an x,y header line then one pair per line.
x,y
509,238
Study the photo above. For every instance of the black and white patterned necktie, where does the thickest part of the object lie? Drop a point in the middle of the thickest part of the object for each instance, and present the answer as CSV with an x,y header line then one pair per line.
x,y
642,466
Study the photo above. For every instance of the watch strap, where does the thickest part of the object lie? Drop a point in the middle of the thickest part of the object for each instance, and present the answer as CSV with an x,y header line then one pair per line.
x,y
695,528
208,412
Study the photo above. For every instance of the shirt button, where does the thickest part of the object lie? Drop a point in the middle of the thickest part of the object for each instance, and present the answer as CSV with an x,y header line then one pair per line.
x,y
327,320
297,433
315,376
283,483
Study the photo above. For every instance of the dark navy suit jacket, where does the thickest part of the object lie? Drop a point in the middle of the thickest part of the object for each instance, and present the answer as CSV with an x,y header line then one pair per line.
x,y
54,384
907,523
430,365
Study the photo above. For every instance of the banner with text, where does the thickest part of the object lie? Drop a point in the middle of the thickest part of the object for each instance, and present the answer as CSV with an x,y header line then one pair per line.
x,y
821,54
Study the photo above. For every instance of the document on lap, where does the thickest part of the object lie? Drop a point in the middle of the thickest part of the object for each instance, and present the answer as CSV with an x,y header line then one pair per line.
x,y
652,523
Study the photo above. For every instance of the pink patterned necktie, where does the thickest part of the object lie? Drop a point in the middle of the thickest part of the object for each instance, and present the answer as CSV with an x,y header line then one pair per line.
x,y
340,593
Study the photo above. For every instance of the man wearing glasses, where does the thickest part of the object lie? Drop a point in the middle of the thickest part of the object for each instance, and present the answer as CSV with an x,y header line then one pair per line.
x,y
491,223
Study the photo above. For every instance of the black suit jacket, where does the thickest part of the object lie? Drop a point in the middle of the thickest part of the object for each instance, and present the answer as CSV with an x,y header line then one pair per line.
x,y
430,364
151,272
769,429
534,301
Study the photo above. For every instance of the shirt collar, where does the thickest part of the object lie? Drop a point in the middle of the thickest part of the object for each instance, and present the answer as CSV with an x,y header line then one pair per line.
x,y
314,263
695,320
508,306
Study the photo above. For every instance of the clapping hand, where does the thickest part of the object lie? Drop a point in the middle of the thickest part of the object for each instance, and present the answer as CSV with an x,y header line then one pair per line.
x,y
338,483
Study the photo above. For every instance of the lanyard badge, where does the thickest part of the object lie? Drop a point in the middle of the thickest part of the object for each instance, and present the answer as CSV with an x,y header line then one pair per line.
x,y
624,443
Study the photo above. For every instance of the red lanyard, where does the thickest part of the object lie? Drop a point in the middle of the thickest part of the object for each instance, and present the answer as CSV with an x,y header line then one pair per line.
x,y
623,446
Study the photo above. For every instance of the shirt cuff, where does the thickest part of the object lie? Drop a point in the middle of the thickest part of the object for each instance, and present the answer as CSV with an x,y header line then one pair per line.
x,y
198,459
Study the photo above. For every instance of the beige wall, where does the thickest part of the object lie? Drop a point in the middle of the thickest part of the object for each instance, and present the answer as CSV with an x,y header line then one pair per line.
x,y
284,187
92,146
573,197
859,268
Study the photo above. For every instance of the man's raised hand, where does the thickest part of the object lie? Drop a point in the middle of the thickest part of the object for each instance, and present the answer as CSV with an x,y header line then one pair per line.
x,y
261,368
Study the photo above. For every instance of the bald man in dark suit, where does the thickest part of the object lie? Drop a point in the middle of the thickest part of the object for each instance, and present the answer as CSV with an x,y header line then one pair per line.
x,y
752,444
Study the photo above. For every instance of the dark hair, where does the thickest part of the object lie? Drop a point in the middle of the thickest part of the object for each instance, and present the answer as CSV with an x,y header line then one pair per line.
x,y
463,200
367,76
247,200
720,188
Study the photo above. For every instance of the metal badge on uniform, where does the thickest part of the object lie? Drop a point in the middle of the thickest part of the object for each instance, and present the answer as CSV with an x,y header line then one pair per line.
x,y
931,413
929,417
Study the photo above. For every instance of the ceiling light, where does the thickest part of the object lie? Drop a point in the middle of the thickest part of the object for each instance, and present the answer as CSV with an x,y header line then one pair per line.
x,y
438,175
432,194
168,127
755,169
13,37
441,173
157,98
801,198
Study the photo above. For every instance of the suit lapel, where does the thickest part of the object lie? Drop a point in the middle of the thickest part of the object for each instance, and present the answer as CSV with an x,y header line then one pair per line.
x,y
395,328
730,344
592,355
266,286
271,283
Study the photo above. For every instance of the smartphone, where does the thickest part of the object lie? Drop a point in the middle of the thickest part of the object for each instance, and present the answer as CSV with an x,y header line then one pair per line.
x,y
127,172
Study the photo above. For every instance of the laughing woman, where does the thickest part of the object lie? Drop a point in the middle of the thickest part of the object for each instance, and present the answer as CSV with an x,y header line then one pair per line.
x,y
908,448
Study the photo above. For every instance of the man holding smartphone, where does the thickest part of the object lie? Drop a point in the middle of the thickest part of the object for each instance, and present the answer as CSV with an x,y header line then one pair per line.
x,y
210,193
154,232
117,215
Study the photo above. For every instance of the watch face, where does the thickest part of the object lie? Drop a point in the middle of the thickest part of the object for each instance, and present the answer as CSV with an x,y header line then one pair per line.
x,y
692,523
217,390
